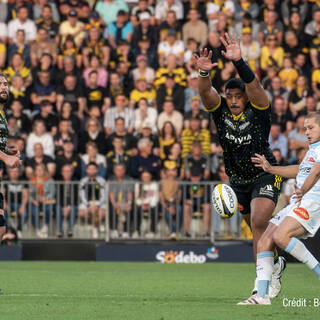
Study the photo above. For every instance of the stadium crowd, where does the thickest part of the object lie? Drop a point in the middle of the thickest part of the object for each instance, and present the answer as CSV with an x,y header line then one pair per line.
x,y
100,92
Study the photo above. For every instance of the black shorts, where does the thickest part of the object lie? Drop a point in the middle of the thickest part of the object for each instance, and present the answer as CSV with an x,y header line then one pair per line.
x,y
266,186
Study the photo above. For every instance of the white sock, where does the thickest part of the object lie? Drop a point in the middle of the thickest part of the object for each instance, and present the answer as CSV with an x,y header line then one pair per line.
x,y
298,250
264,269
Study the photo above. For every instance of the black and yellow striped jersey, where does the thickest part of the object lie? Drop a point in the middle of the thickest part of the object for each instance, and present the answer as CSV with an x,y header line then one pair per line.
x,y
241,137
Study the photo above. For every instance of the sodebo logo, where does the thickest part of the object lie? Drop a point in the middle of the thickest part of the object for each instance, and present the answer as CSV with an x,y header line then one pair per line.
x,y
180,257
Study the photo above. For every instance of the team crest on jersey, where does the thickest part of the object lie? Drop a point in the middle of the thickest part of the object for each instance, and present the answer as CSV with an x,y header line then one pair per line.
x,y
302,213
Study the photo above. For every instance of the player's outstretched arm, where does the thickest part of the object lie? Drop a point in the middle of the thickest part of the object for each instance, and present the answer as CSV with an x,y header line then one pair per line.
x,y
209,96
283,171
254,90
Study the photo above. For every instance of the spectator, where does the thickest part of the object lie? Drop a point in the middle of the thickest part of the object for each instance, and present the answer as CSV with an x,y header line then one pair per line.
x,y
81,7
170,22
292,47
144,161
108,9
222,76
146,133
173,161
170,89
144,48
119,110
297,138
47,115
195,133
93,133
288,74
21,46
195,28
191,91
40,135
68,157
117,155
42,198
16,195
169,114
69,49
278,156
46,14
66,114
196,112
71,92
277,90
94,65
68,201
190,49
213,10
168,5
171,46
115,88
278,141
215,45
145,115
311,106
271,26
121,29
43,90
167,138
41,46
141,91
93,199
141,7
281,115
290,6
313,26
69,69
129,141
39,158
92,155
146,199
23,121
22,22
95,45
64,134
143,70
120,202
72,26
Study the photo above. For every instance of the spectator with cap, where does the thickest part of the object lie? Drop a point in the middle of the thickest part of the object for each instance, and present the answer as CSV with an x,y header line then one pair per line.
x,y
170,114
171,22
168,5
40,135
143,70
144,48
146,133
171,46
250,49
144,29
195,28
142,91
81,7
196,112
195,133
119,110
108,9
47,115
72,26
22,22
170,89
121,29
145,160
145,114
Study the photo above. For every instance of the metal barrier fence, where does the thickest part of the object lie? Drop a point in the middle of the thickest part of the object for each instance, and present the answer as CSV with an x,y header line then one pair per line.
x,y
110,210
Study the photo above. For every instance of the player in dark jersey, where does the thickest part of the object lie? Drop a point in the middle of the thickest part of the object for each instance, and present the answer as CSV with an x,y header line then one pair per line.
x,y
10,157
243,122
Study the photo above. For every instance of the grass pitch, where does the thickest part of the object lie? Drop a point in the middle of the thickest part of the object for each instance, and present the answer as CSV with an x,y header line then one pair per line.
x,y
98,290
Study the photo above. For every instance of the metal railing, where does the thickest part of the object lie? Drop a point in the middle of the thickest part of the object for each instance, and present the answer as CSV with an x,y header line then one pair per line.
x,y
128,210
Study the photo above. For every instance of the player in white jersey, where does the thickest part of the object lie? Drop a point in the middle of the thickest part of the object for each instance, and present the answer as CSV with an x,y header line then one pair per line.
x,y
300,219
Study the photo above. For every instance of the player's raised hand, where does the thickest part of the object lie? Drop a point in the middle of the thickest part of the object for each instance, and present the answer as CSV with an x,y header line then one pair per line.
x,y
298,194
204,61
261,162
12,161
233,51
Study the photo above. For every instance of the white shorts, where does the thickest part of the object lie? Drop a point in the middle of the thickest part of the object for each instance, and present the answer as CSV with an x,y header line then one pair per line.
x,y
91,203
308,215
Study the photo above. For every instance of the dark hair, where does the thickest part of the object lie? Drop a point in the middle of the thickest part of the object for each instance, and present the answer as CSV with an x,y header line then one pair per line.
x,y
119,118
91,163
174,134
236,83
2,75
93,72
45,102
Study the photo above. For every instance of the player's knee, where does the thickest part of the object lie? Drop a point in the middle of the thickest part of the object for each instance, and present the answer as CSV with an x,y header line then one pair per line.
x,y
258,223
280,239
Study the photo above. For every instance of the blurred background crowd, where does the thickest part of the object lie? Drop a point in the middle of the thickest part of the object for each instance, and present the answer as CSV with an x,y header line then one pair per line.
x,y
105,91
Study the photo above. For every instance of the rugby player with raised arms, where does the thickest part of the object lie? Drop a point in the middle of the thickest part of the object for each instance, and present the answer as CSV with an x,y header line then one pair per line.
x,y
243,120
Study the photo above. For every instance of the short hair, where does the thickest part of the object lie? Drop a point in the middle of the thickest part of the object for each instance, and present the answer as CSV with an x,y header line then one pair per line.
x,y
143,141
45,102
236,83
93,72
2,75
91,144
314,114
91,163
119,118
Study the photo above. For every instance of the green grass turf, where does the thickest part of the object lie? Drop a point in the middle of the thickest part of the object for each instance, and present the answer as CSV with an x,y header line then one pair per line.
x,y
97,290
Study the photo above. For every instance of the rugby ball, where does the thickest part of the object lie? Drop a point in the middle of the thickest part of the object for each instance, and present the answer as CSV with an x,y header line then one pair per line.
x,y
224,200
